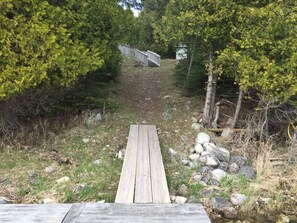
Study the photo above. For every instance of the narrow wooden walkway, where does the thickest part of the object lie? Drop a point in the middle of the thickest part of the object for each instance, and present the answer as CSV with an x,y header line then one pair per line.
x,y
103,213
143,178
142,195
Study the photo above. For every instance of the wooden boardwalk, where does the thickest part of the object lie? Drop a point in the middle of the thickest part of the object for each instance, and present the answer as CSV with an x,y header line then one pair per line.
x,y
103,213
142,195
143,178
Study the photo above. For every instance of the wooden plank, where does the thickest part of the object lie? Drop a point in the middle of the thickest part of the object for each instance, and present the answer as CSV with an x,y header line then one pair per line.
x,y
143,189
125,192
33,213
143,213
160,191
73,213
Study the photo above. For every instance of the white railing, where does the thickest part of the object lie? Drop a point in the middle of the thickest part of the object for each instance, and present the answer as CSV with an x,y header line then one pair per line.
x,y
148,58
154,57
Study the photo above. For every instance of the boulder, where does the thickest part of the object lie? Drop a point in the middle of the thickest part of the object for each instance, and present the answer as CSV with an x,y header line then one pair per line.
x,y
247,172
197,177
223,166
211,161
221,154
199,148
209,147
238,199
218,174
219,204
202,138
233,168
194,157
239,160
180,200
230,212
205,170
183,190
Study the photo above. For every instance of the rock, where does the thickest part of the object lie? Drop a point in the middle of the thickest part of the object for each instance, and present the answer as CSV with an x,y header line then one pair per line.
x,y
209,147
206,193
50,169
230,212
238,199
199,148
194,157
197,177
214,183
221,154
86,140
196,126
97,162
233,168
121,154
4,200
184,138
188,105
166,116
202,183
192,165
172,152
211,161
202,138
98,118
180,200
194,120
205,179
172,198
205,170
185,162
239,160
223,166
205,153
219,204
32,173
80,187
247,172
63,180
218,174
101,202
49,201
183,190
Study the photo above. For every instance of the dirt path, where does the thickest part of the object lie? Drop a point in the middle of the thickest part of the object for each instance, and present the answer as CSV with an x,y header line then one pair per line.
x,y
140,90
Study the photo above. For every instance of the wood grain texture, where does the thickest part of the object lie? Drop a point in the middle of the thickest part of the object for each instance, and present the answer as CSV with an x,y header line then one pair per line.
x,y
73,213
143,189
33,213
160,191
125,192
143,213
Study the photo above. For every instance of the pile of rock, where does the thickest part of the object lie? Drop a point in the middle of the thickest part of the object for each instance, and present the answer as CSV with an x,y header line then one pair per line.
x,y
215,163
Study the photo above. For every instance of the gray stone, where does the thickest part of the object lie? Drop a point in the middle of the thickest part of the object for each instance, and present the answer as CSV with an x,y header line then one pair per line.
x,y
194,120
49,201
121,154
185,162
97,162
224,166
80,187
205,179
184,138
4,200
172,152
206,193
63,180
213,182
194,157
192,165
196,126
205,153
202,138
183,190
180,200
50,169
98,118
233,168
230,212
197,177
188,105
219,204
32,173
221,154
238,199
247,171
205,170
218,174
212,161
209,147
202,183
239,160
86,140
199,148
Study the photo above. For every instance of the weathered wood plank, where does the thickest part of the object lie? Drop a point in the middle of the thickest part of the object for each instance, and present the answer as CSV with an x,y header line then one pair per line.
x,y
73,213
143,213
125,192
33,213
160,191
143,189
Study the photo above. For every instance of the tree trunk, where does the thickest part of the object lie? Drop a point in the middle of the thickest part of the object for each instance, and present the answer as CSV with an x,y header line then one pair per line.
x,y
237,110
209,93
191,61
